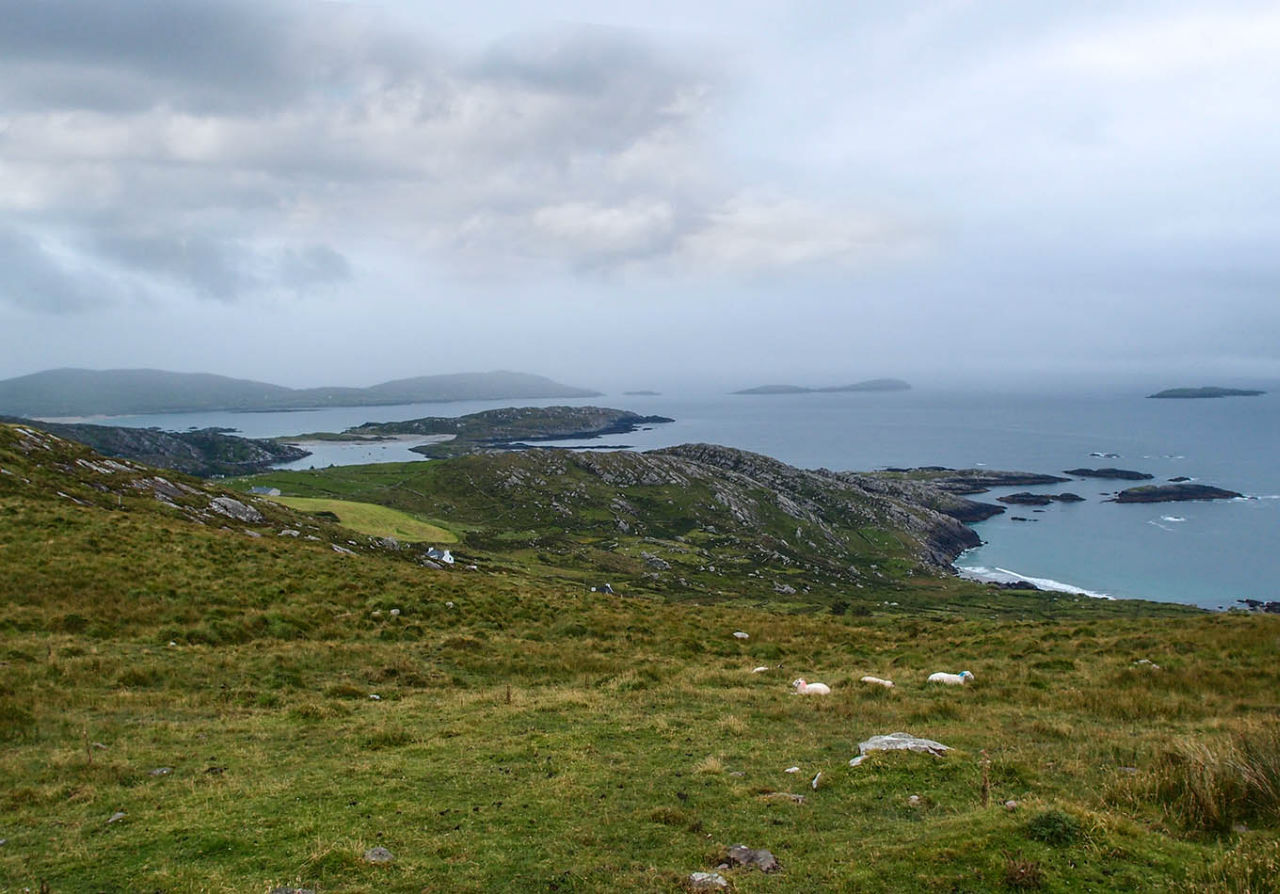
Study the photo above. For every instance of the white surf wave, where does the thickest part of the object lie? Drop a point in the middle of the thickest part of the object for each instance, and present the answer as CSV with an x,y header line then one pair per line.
x,y
1172,518
1005,576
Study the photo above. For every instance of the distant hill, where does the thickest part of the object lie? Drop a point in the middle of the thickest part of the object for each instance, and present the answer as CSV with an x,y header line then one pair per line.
x,y
117,392
868,385
1206,391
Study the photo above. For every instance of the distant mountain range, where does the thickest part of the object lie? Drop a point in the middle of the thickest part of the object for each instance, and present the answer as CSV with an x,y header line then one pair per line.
x,y
868,385
119,392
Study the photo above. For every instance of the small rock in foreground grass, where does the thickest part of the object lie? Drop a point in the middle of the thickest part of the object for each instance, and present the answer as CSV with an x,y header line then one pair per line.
x,y
116,817
707,881
378,855
741,855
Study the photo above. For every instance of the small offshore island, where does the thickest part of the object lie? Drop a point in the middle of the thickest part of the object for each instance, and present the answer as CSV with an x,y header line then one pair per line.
x,y
1204,392
1174,493
868,385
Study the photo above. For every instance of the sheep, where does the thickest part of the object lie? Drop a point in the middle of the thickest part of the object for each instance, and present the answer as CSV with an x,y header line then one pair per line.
x,y
951,679
811,688
887,684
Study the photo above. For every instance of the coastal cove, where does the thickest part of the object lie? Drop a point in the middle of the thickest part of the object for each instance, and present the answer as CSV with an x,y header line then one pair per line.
x,y
1205,553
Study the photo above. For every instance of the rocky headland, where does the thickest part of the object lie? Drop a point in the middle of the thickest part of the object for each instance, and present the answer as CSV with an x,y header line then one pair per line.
x,y
204,453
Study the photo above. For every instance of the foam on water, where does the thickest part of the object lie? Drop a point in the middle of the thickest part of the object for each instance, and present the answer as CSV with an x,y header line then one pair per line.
x,y
1005,576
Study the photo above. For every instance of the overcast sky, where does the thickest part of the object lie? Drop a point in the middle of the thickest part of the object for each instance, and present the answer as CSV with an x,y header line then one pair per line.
x,y
621,194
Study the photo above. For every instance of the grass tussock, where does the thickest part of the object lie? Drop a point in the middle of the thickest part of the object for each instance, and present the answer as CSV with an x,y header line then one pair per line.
x,y
1252,866
1213,787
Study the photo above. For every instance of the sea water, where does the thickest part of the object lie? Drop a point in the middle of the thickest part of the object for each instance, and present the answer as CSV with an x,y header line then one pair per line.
x,y
1206,553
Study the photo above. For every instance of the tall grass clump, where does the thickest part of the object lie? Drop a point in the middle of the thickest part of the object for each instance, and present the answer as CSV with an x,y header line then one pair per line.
x,y
1211,788
1252,867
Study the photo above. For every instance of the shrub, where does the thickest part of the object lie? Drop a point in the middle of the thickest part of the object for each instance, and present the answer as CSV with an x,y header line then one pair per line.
x,y
16,722
1022,874
1053,827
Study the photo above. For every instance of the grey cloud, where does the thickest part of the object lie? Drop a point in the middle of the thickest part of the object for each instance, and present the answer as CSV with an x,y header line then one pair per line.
x,y
200,56
214,268
313,265
36,278
175,136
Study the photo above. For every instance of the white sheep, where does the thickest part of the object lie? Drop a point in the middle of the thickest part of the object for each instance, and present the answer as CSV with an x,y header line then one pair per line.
x,y
951,679
887,684
811,688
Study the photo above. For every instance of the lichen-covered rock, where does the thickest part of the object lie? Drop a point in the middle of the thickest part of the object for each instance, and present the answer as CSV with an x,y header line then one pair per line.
x,y
235,509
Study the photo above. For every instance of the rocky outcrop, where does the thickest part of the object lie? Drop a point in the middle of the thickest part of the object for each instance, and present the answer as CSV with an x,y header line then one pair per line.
x,y
1172,493
846,498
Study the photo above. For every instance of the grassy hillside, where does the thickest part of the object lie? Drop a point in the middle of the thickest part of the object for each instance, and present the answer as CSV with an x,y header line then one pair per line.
x,y
377,521
212,691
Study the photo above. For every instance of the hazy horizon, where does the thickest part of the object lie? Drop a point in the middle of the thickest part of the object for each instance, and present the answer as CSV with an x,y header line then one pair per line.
x,y
621,196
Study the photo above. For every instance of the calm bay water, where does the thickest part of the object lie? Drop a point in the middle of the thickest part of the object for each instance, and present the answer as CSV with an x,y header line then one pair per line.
x,y
1207,553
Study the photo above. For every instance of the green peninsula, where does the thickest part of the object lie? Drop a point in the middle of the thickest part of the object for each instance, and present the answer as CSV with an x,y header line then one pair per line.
x,y
501,429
